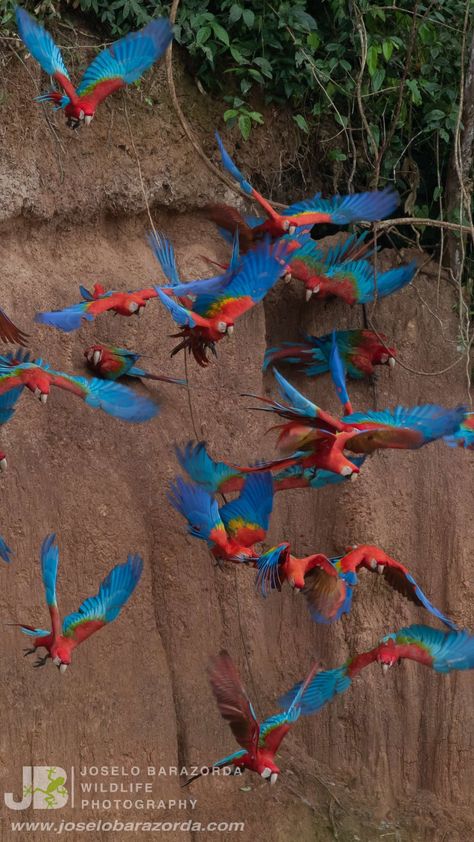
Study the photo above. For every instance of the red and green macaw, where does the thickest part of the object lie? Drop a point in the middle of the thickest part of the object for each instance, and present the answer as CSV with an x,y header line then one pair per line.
x,y
314,261
259,741
119,65
16,373
314,438
328,583
221,477
339,210
111,362
360,350
99,301
94,613
464,436
440,650
214,312
232,531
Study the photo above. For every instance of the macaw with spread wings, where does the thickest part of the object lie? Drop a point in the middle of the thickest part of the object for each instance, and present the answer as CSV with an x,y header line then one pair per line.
x,y
96,302
440,650
360,350
259,741
339,210
314,438
120,64
232,531
94,613
328,583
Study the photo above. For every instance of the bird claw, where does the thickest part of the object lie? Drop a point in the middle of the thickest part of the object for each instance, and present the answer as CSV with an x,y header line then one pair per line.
x,y
40,661
28,651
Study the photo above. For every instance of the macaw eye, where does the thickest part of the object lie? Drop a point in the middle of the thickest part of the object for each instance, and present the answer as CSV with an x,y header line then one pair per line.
x,y
384,359
286,224
222,327
81,114
133,307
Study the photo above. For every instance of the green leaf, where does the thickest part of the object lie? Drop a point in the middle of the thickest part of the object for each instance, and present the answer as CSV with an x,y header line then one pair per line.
x,y
237,55
377,79
235,13
203,35
230,114
387,49
337,155
220,33
264,66
301,123
372,59
412,86
245,126
249,17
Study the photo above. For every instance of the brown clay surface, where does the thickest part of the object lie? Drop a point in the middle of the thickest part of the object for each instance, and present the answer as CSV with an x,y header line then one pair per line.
x,y
392,759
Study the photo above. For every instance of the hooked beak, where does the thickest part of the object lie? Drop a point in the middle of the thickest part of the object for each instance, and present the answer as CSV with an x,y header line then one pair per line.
x,y
230,330
373,564
88,119
3,464
63,668
380,568
391,362
273,778
346,471
385,668
96,357
43,397
309,293
57,661
266,773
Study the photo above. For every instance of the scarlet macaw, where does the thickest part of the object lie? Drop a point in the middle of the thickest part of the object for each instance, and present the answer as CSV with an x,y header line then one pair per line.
x,y
339,210
355,281
119,65
361,351
259,742
114,592
328,583
113,398
313,437
111,363
219,476
231,531
440,650
213,313
464,436
100,301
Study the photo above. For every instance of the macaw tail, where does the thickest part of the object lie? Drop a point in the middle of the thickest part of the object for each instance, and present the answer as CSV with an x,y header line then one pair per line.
x,y
320,690
232,168
139,372
424,601
59,100
293,353
31,631
210,475
164,253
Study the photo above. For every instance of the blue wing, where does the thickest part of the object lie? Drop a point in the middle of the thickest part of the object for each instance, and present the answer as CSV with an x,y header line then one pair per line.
x,y
429,421
8,402
5,551
113,398
254,504
298,403
321,690
268,566
345,209
129,57
40,44
387,283
336,367
181,315
49,567
195,460
106,605
164,254
68,319
231,167
197,507
452,650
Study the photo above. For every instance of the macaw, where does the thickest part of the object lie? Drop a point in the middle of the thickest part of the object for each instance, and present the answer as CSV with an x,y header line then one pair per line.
x,y
314,438
213,313
361,351
338,374
114,592
316,262
5,551
464,436
259,741
440,650
328,583
232,530
113,398
111,363
9,332
119,65
99,301
355,281
221,477
9,399
339,210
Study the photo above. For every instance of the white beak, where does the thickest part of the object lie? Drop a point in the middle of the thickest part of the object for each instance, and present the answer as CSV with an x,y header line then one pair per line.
x,y
380,568
266,772
391,362
3,464
274,778
346,471
37,393
96,357
63,668
373,564
43,398
354,477
88,119
57,661
309,293
230,330
385,668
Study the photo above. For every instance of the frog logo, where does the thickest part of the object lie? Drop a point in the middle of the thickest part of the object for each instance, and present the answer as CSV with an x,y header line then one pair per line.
x,y
43,788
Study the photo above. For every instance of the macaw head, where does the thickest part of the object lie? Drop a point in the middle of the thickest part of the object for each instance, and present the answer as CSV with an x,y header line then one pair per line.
x,y
225,328
288,226
39,384
267,769
62,658
383,355
76,116
387,654
3,461
94,354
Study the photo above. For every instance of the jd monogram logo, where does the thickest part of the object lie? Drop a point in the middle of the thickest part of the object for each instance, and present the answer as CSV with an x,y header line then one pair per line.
x,y
43,787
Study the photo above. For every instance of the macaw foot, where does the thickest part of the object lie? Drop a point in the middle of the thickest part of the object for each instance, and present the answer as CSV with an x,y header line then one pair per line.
x,y
40,661
195,345
28,651
218,562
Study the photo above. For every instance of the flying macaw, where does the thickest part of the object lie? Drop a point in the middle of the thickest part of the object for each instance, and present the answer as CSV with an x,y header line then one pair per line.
x,y
328,583
119,65
360,350
333,274
231,531
113,398
440,650
213,313
339,210
5,551
9,400
99,301
314,438
464,436
221,477
111,363
259,742
114,592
